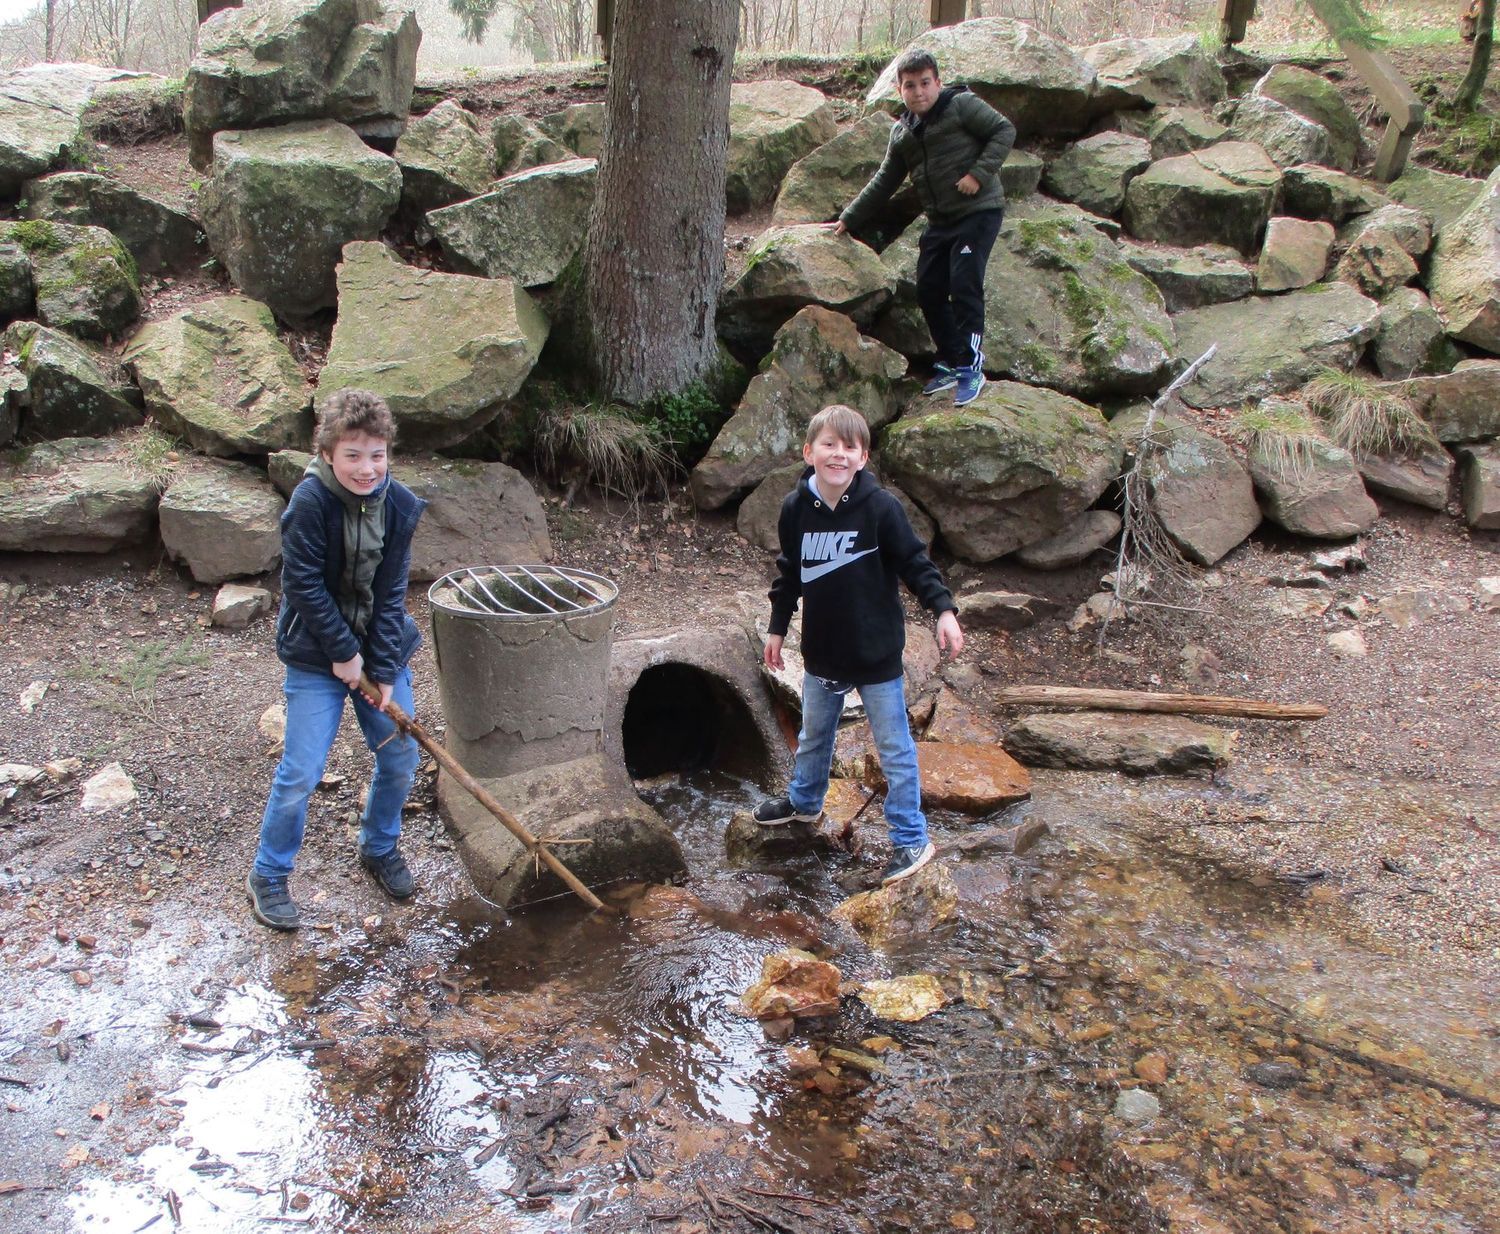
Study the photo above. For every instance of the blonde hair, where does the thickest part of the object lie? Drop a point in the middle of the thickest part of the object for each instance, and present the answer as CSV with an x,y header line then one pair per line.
x,y
844,422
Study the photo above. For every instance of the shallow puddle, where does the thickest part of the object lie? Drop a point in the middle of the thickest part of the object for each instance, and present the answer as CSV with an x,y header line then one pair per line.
x,y
454,1070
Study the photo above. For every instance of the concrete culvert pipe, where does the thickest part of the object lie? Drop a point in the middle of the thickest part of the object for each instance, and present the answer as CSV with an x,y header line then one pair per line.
x,y
523,656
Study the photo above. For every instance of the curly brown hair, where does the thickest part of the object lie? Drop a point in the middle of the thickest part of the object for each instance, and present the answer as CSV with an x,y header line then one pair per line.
x,y
353,411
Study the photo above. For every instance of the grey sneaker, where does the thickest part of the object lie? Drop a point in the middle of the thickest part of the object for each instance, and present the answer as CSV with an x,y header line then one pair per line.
x,y
271,902
906,861
779,811
391,872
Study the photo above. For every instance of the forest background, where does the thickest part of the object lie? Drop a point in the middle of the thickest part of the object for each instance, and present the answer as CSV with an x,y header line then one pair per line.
x,y
160,35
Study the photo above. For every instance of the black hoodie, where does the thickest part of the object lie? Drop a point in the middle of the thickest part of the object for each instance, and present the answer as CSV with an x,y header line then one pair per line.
x,y
844,563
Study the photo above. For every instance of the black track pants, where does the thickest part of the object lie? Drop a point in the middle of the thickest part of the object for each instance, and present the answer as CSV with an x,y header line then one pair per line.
x,y
950,284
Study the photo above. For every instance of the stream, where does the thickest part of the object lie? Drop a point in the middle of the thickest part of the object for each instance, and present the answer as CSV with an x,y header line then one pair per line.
x,y
1138,1040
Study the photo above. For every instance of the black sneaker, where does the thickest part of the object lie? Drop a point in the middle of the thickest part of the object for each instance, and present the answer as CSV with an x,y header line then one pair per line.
x,y
779,811
906,861
391,872
271,902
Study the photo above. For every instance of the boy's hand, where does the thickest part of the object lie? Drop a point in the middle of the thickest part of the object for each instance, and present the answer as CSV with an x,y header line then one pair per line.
x,y
837,227
968,186
772,653
950,637
348,671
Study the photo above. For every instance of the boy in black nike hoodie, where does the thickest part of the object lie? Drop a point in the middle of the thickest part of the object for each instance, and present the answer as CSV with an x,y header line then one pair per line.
x,y
845,545
951,143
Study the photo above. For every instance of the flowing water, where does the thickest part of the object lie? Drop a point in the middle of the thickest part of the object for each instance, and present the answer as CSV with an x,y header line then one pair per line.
x,y
447,1068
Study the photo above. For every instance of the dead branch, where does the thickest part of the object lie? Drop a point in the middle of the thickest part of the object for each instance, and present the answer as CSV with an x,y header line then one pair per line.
x,y
1168,704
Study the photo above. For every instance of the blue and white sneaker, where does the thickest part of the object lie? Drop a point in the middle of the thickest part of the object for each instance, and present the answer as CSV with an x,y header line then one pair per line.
x,y
970,382
943,378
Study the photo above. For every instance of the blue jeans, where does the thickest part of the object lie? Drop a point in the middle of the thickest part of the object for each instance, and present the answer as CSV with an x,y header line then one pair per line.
x,y
885,706
314,708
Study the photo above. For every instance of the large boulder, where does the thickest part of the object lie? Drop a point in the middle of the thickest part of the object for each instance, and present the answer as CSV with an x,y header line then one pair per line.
x,y
1422,478
521,145
1318,99
1064,309
71,389
12,398
1464,278
1479,487
85,281
1191,278
17,296
1156,72
1181,130
476,512
819,358
444,158
265,64
527,227
1461,406
444,350
1038,82
579,128
1287,136
283,202
1440,195
1108,741
820,184
1320,494
1271,344
41,117
789,268
1295,254
1222,194
1093,172
772,124
218,375
1203,497
1411,339
222,520
1312,191
77,495
159,236
1014,467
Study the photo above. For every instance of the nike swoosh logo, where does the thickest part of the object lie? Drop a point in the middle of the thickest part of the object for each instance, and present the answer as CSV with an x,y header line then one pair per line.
x,y
809,573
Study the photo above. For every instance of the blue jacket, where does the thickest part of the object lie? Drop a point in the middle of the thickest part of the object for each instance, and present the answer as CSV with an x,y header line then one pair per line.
x,y
310,631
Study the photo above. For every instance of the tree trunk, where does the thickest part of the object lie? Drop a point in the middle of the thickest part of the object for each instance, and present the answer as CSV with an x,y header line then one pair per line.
x,y
51,35
1467,98
655,256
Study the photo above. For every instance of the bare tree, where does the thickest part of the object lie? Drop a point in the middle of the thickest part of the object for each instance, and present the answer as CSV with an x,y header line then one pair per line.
x,y
655,253
1467,98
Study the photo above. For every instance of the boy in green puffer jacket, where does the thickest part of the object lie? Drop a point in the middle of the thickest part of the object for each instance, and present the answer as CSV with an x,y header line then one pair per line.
x,y
951,143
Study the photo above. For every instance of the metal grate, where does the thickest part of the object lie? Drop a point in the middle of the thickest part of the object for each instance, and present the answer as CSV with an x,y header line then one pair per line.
x,y
511,592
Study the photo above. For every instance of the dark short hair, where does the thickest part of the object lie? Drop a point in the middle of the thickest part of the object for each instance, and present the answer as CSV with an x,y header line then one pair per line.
x,y
914,61
353,411
847,424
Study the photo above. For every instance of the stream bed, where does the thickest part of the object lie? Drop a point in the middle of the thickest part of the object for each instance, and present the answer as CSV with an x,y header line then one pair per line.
x,y
1137,1040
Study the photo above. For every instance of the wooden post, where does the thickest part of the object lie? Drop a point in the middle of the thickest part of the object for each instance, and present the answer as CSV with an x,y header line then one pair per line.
x,y
604,25
1234,16
1400,101
947,12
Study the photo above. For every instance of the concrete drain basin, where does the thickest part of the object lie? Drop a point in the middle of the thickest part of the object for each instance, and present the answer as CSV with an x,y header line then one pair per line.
x,y
523,660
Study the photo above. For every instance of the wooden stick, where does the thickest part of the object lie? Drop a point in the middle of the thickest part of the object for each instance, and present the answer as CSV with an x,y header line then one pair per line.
x,y
1142,700
480,794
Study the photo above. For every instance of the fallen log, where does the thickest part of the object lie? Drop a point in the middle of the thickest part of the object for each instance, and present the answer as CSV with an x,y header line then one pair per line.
x,y
1144,700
